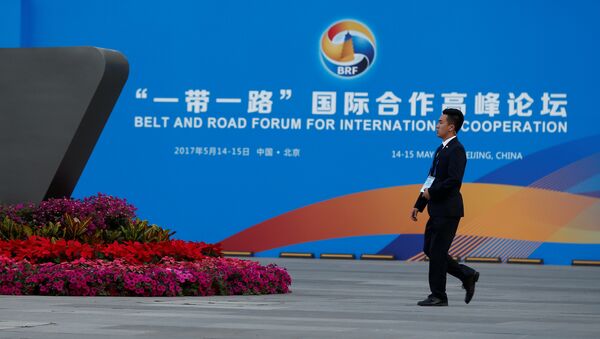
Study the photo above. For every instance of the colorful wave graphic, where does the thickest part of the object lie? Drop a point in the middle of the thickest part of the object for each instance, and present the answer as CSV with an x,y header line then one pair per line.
x,y
502,218
352,56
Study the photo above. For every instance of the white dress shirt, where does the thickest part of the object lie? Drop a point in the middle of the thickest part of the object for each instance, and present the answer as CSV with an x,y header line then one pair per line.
x,y
445,142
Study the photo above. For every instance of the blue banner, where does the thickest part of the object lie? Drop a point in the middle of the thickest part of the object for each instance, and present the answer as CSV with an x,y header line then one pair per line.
x,y
310,125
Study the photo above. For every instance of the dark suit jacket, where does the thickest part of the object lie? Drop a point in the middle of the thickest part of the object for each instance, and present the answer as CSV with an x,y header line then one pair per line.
x,y
446,200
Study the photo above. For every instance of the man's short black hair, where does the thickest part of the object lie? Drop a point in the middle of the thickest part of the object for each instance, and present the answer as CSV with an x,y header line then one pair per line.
x,y
454,117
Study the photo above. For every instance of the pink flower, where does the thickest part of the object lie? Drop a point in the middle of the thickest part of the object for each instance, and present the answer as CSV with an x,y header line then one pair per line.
x,y
208,276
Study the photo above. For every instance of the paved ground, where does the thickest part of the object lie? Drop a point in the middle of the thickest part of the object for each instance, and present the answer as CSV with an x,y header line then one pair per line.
x,y
335,299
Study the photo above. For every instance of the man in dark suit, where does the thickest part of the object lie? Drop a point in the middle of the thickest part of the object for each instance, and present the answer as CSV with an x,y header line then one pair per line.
x,y
441,195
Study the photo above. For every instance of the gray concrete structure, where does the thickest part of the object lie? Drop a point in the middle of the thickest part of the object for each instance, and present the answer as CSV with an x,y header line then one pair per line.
x,y
335,299
54,103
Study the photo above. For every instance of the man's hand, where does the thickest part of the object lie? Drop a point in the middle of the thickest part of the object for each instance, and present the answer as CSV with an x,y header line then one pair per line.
x,y
426,194
413,214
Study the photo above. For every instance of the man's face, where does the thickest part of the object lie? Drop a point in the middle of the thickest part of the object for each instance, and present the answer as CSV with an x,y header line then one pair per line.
x,y
443,129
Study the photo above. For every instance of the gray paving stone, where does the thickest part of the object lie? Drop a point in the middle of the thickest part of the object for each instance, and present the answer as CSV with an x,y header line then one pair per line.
x,y
334,299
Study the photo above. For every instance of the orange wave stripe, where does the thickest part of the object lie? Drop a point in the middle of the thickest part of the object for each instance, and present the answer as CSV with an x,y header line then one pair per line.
x,y
498,211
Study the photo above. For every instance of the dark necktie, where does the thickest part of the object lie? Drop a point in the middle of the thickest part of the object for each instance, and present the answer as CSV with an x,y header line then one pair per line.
x,y
434,164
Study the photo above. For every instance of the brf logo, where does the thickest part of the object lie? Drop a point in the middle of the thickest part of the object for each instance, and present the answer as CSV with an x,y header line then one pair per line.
x,y
347,48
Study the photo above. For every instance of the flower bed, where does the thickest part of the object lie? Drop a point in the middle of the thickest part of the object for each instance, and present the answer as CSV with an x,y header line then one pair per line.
x,y
97,246
83,277
102,212
40,250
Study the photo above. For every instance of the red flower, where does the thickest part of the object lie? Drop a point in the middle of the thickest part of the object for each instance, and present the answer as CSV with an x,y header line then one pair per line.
x,y
39,250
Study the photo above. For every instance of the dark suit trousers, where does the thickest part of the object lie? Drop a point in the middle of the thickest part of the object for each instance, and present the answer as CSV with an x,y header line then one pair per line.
x,y
439,233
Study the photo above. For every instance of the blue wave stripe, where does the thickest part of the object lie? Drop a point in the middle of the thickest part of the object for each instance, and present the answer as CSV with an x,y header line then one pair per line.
x,y
537,165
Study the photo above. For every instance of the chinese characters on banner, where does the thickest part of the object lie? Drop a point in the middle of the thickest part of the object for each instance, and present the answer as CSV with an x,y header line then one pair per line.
x,y
513,112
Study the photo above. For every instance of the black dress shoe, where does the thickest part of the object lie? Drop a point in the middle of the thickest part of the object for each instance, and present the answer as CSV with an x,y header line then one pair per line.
x,y
433,301
469,286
